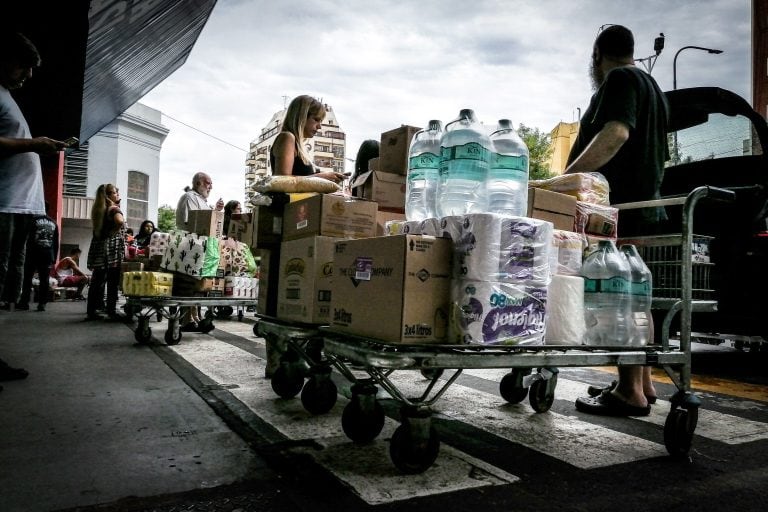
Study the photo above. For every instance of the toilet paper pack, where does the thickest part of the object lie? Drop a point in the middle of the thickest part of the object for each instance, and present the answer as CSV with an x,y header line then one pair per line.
x,y
497,248
491,313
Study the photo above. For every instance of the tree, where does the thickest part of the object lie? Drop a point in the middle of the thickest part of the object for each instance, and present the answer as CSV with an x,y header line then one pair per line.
x,y
538,143
166,218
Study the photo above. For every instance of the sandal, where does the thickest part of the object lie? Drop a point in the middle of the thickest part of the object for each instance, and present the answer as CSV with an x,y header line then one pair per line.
x,y
608,404
594,391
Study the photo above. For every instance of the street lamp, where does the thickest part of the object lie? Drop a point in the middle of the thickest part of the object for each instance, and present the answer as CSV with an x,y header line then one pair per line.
x,y
674,61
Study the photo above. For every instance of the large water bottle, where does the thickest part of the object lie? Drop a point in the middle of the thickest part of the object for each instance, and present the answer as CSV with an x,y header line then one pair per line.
x,y
641,288
607,280
464,155
507,183
423,166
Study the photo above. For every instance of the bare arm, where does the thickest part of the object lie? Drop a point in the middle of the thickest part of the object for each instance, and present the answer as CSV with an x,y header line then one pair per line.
x,y
285,152
41,145
601,149
75,269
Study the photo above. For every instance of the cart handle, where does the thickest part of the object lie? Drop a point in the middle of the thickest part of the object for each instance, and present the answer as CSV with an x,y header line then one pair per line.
x,y
716,193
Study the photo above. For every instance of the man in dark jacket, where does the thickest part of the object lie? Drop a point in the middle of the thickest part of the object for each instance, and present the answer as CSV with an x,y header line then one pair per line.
x,y
42,249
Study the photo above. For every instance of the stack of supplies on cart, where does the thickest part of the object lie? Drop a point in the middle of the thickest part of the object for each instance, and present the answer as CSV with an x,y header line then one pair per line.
x,y
147,284
501,270
191,254
241,287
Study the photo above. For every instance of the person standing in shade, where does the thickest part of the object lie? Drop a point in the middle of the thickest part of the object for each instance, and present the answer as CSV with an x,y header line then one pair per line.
x,y
623,135
42,249
230,208
21,180
106,252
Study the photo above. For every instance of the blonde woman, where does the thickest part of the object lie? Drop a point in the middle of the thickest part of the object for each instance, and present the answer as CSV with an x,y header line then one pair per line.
x,y
289,155
106,252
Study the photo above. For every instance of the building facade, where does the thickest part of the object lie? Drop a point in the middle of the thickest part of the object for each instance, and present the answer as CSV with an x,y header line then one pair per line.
x,y
126,152
327,148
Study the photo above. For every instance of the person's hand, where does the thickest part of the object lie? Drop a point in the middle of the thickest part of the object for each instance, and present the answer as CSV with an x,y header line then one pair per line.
x,y
335,177
44,145
220,204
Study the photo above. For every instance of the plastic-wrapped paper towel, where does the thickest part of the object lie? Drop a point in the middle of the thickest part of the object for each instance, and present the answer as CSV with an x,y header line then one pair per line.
x,y
491,313
567,252
497,248
411,227
565,311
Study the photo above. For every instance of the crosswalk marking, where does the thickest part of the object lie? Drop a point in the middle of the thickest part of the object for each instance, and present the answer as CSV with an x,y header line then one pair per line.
x,y
714,425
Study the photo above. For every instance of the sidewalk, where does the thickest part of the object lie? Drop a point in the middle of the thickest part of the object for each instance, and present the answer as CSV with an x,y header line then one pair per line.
x,y
102,418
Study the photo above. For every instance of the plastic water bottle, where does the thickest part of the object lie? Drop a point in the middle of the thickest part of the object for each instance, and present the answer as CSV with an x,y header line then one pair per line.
x,y
607,280
423,166
507,183
641,288
464,155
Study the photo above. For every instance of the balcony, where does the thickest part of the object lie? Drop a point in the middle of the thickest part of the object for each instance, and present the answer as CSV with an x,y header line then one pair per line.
x,y
77,208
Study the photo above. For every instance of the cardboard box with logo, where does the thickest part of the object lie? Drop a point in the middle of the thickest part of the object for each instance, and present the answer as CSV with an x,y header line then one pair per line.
x,y
206,222
382,217
395,288
386,188
304,284
329,215
557,208
393,149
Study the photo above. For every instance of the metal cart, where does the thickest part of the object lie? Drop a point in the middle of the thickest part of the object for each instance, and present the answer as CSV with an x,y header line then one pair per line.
x,y
415,443
170,307
294,353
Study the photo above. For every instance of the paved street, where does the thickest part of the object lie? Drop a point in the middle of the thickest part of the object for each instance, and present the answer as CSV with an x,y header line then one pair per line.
x,y
104,421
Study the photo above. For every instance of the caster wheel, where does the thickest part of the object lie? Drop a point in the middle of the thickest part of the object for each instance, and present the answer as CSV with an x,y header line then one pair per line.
x,y
143,333
678,431
206,325
540,397
511,386
431,373
256,329
170,339
318,395
362,426
411,456
286,383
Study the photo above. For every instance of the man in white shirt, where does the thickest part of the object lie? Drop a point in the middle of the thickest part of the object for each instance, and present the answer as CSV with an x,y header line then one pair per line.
x,y
21,180
195,198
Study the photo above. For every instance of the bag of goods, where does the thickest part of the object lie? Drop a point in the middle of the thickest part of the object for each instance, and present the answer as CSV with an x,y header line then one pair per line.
x,y
235,258
590,187
157,243
194,255
596,220
567,252
147,284
294,184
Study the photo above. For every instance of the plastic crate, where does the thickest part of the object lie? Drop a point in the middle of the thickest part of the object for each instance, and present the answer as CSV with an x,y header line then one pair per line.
x,y
663,255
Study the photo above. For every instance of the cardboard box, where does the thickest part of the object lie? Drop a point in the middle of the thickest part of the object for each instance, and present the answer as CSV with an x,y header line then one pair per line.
x,y
329,215
268,274
387,189
373,164
304,284
131,266
382,217
596,220
238,224
206,222
266,227
557,208
393,150
187,286
394,288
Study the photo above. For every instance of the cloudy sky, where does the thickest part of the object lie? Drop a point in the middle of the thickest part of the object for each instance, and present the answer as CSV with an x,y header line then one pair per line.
x,y
383,63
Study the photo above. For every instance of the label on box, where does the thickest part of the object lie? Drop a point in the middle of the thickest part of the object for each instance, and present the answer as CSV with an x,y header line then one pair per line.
x,y
363,267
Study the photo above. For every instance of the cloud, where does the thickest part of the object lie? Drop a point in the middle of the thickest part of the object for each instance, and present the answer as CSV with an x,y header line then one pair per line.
x,y
383,63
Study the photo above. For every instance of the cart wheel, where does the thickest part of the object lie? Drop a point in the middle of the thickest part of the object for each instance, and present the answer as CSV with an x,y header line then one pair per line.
x,y
240,315
170,339
431,373
256,329
143,332
223,311
363,417
542,394
678,430
286,383
411,456
511,386
319,393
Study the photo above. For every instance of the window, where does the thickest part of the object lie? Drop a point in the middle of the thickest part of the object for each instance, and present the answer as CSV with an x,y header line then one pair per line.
x,y
138,198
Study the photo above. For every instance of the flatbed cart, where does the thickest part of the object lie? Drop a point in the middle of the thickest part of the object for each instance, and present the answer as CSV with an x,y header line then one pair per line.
x,y
415,444
294,353
170,307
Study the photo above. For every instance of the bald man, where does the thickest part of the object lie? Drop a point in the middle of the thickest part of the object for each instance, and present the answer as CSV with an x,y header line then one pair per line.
x,y
196,198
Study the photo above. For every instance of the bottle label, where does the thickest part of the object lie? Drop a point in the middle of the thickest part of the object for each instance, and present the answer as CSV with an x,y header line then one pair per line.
x,y
511,162
424,161
616,285
643,288
468,151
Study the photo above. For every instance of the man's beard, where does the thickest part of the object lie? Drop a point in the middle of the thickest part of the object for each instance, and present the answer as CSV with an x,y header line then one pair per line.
x,y
596,75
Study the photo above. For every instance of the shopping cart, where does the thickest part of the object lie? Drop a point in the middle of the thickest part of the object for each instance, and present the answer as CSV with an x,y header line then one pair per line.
x,y
415,443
